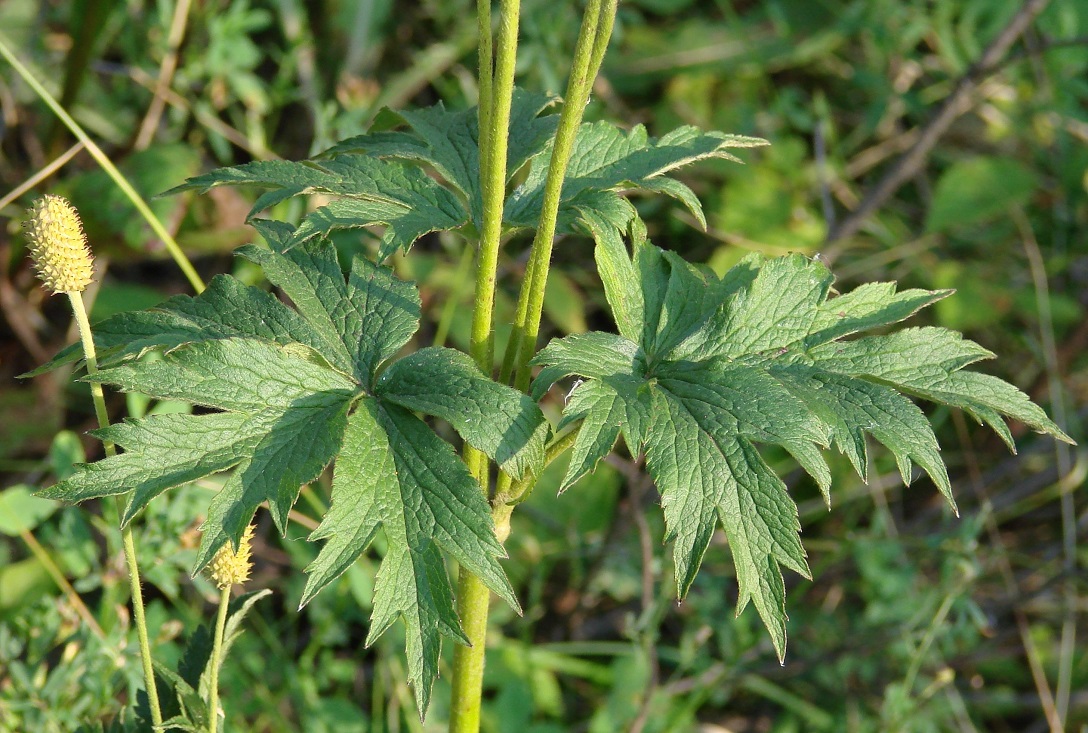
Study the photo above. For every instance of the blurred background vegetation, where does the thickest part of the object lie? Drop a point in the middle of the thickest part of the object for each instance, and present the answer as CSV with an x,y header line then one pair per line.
x,y
915,621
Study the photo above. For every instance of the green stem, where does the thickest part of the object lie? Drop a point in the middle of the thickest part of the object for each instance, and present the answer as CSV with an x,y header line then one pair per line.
x,y
118,178
129,544
494,121
215,661
588,53
509,494
486,76
473,598
496,97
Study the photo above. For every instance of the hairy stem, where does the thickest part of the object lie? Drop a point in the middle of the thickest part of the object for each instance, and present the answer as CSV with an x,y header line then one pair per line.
x,y
496,96
127,540
486,77
588,53
216,661
494,124
592,40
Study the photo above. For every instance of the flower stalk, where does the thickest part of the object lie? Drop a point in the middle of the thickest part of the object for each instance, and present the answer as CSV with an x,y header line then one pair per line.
x,y
228,568
64,264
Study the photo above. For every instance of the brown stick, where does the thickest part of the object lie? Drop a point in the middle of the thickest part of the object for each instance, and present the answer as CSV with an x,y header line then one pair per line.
x,y
954,106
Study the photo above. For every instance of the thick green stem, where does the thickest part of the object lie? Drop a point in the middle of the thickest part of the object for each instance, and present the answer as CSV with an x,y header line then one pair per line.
x,y
111,170
127,540
215,662
473,598
496,96
486,77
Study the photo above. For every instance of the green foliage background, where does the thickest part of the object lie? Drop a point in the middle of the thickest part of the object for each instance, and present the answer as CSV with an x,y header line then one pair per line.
x,y
915,621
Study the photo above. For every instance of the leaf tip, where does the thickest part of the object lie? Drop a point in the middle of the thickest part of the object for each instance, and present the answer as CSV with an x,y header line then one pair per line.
x,y
53,493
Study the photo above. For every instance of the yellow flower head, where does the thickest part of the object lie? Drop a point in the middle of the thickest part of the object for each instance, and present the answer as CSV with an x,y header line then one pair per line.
x,y
58,245
229,567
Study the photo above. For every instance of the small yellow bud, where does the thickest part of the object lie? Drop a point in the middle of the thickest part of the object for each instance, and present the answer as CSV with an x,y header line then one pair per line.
x,y
58,245
229,567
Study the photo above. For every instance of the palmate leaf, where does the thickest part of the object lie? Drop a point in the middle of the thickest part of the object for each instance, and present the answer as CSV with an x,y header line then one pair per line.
x,y
606,160
376,177
372,190
294,389
705,369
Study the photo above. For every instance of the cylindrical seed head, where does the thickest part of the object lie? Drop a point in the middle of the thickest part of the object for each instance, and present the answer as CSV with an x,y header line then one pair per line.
x,y
58,245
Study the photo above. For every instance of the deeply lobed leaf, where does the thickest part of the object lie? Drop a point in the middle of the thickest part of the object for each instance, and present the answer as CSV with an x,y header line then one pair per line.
x,y
705,369
295,388
377,177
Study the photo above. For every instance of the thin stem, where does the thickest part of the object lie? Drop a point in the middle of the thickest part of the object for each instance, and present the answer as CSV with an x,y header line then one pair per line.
x,y
118,178
215,661
953,106
1067,645
53,166
57,575
127,541
495,121
166,75
588,54
592,40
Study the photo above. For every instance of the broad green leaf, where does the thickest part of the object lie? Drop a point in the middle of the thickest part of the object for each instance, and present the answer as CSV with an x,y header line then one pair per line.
x,y
293,451
618,276
708,475
378,178
605,407
852,407
925,362
709,369
235,374
448,141
593,354
293,389
162,452
367,318
227,308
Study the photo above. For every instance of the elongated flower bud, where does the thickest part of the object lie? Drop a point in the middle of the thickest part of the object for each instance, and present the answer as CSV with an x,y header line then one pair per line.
x,y
58,245
229,567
